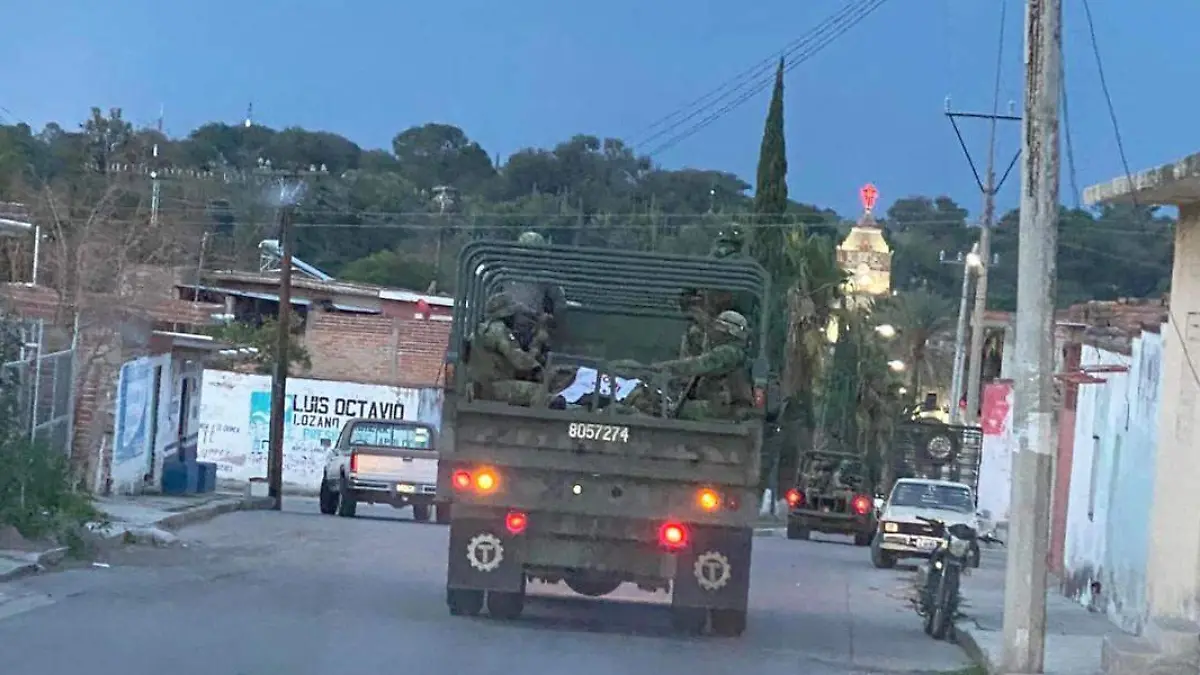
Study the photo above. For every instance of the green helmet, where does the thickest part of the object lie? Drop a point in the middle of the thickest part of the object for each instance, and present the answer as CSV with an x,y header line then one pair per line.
x,y
730,242
733,324
500,306
531,238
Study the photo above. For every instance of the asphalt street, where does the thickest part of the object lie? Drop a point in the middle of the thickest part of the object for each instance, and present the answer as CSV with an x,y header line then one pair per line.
x,y
298,593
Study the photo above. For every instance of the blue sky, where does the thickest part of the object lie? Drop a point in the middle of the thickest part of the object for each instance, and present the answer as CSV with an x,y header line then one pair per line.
x,y
533,72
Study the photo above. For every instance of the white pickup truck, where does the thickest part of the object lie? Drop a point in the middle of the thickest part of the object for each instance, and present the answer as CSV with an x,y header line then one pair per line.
x,y
383,462
902,533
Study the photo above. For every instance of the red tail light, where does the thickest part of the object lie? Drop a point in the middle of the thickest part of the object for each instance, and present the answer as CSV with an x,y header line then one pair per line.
x,y
794,498
354,462
672,536
461,480
861,504
516,522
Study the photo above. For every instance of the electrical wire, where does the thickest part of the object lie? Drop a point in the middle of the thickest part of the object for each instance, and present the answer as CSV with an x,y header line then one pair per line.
x,y
765,83
740,81
1112,115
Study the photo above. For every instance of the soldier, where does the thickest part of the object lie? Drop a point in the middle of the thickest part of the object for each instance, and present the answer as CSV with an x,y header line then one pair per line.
x,y
719,386
538,305
729,244
500,370
702,306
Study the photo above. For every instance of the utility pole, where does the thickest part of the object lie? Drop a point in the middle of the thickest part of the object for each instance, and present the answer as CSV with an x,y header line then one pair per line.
x,y
279,381
969,262
1033,375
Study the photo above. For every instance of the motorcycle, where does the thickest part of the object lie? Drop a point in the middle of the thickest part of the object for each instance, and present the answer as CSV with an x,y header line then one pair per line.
x,y
938,596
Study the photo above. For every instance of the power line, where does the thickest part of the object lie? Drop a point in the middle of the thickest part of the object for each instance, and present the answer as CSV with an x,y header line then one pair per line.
x,y
725,89
860,13
1112,115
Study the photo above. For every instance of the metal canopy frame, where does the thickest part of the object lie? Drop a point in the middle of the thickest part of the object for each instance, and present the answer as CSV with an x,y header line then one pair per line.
x,y
600,280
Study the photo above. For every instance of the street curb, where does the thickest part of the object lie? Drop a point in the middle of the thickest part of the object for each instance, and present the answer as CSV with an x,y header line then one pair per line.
x,y
25,570
40,562
965,639
207,512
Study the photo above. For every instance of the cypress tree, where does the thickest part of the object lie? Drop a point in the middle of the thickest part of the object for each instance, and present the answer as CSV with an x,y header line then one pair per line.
x,y
771,192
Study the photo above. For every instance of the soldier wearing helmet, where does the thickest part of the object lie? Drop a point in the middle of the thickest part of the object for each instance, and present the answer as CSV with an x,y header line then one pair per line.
x,y
499,368
537,303
719,384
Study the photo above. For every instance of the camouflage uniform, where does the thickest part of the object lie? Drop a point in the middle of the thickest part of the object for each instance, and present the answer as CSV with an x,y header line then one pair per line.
x,y
499,369
720,386
703,306
537,304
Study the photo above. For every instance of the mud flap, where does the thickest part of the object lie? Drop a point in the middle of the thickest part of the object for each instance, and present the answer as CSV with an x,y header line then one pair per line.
x,y
714,571
484,556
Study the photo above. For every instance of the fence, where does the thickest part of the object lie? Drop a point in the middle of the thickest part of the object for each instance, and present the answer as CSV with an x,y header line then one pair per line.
x,y
44,379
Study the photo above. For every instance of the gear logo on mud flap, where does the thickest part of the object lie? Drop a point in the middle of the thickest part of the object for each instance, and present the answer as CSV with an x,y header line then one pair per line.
x,y
712,570
485,552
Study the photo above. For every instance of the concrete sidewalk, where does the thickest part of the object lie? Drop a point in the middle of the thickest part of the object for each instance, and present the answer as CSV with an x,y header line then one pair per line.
x,y
131,519
1074,635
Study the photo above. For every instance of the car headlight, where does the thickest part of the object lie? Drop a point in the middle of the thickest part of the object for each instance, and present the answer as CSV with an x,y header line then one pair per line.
x,y
959,547
891,527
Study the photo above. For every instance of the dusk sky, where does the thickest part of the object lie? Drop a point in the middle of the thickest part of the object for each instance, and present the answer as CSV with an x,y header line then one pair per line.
x,y
869,107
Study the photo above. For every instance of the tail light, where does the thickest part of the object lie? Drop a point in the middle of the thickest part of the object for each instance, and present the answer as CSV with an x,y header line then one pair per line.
x,y
672,536
861,504
708,499
461,480
486,481
483,481
354,462
794,498
516,522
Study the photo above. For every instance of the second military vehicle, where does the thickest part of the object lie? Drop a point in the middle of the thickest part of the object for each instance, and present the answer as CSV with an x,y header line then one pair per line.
x,y
587,493
831,497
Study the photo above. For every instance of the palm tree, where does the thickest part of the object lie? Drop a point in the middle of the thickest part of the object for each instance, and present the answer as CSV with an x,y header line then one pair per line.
x,y
917,315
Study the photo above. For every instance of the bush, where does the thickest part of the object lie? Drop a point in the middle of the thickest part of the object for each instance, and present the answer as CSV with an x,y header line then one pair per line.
x,y
36,495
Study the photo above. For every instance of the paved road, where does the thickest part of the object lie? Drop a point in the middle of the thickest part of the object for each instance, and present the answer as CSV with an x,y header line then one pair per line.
x,y
297,593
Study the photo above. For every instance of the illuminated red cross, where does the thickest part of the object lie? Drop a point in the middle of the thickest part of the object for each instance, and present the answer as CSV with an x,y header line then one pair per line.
x,y
868,195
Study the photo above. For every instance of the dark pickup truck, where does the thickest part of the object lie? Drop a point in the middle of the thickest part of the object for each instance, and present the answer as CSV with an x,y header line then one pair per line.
x,y
831,497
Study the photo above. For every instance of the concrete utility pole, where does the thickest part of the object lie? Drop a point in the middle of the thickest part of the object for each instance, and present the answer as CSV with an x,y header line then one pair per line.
x,y
1033,374
969,262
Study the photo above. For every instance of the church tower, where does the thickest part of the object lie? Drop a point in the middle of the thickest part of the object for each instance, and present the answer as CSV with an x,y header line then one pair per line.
x,y
864,255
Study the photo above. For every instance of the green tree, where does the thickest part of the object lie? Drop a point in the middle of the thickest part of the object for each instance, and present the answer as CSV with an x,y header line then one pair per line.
x,y
918,315
258,346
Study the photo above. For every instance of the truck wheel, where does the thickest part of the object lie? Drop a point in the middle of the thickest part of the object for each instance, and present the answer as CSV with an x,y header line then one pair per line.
x,y
880,558
442,514
689,620
593,588
862,539
347,506
421,513
729,622
328,499
463,602
797,532
505,605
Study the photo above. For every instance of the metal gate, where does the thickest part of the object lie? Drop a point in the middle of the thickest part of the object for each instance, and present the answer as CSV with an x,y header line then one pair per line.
x,y
44,383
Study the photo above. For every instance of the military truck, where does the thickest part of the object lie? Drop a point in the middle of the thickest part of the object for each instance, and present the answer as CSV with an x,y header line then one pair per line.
x,y
588,495
832,496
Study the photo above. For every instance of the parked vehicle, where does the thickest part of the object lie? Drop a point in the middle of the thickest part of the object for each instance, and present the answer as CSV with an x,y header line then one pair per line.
x,y
588,492
938,586
831,497
904,525
381,461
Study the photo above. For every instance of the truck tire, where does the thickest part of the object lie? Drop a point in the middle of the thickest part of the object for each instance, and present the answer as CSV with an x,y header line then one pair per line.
x,y
689,620
593,587
797,532
463,602
347,506
421,512
442,513
862,538
506,605
328,499
880,558
729,622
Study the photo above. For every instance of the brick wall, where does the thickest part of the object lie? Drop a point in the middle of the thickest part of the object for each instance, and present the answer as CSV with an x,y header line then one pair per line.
x,y
376,349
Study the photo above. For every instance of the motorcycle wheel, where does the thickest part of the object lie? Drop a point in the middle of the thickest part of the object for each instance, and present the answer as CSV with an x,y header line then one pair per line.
x,y
939,618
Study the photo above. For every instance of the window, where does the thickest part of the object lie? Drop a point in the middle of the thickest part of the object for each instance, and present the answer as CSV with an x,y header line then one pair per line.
x,y
933,496
398,436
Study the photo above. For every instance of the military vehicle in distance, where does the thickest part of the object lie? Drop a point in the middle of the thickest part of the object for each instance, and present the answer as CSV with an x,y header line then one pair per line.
x,y
586,495
831,497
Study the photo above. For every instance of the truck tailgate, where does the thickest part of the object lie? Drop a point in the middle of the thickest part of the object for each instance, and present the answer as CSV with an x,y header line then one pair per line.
x,y
408,466
635,446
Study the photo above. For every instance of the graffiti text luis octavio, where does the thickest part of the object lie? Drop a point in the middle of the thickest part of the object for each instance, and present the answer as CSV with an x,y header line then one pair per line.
x,y
325,411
